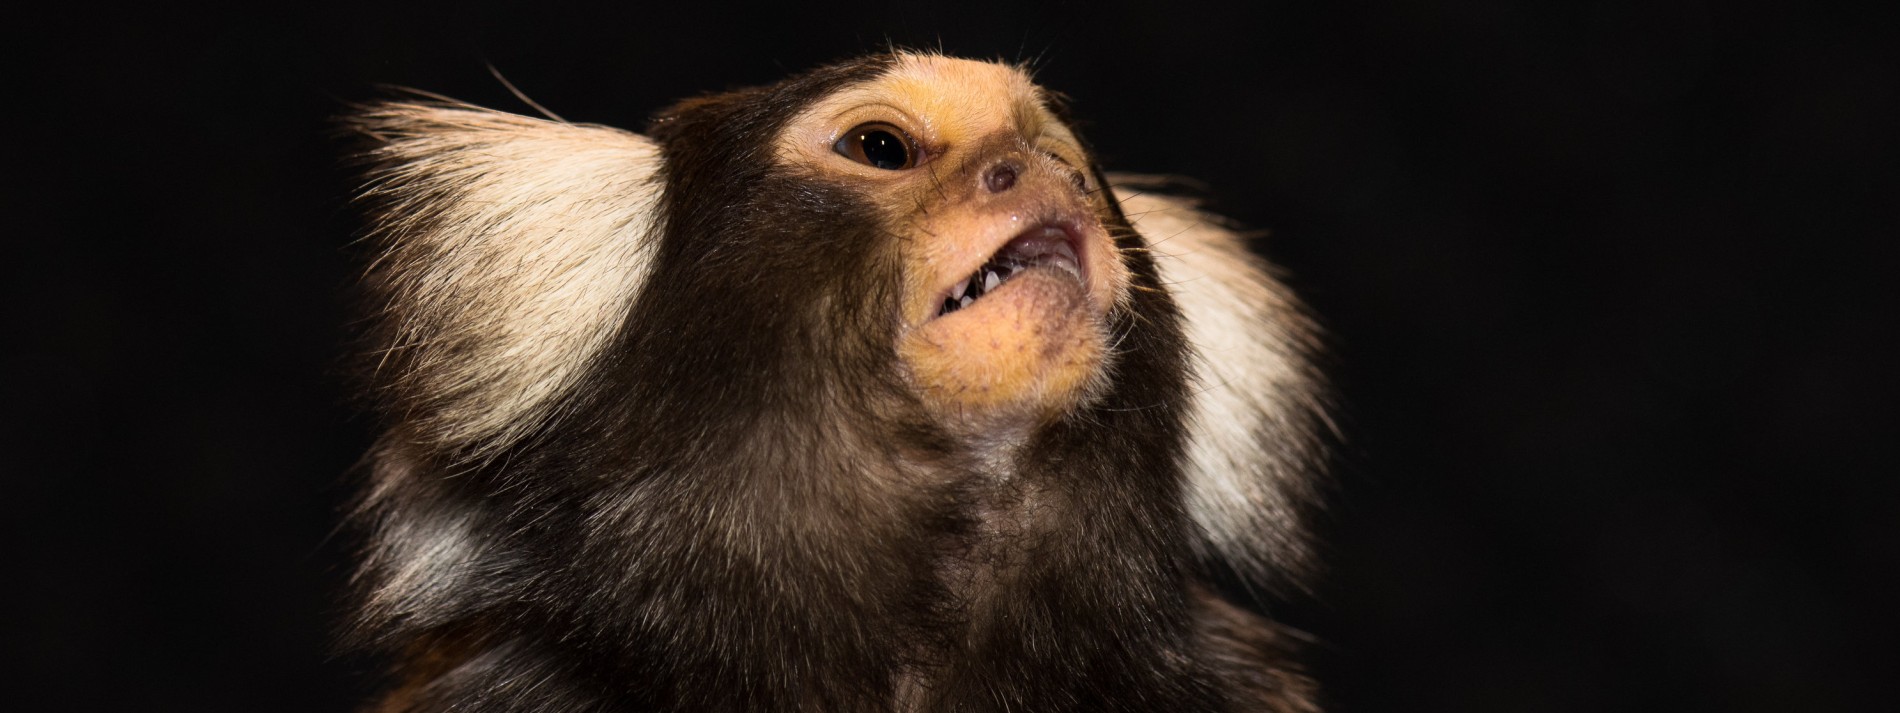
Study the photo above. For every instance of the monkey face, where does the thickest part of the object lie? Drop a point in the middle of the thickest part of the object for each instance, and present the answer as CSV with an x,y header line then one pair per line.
x,y
1010,270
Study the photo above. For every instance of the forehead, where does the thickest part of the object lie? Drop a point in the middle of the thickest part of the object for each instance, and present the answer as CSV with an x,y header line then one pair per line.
x,y
943,98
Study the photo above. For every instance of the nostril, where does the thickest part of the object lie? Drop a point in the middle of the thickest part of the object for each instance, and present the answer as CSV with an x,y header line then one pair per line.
x,y
1001,177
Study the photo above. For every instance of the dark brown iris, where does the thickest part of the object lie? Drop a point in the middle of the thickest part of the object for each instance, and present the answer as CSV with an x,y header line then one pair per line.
x,y
878,145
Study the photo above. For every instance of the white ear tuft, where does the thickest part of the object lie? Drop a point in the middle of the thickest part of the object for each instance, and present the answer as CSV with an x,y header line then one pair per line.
x,y
510,250
1253,447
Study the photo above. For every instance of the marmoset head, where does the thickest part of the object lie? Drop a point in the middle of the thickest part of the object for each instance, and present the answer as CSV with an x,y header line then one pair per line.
x,y
940,201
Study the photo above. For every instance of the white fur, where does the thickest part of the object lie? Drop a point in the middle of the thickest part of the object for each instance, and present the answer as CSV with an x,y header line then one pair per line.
x,y
512,248
1255,401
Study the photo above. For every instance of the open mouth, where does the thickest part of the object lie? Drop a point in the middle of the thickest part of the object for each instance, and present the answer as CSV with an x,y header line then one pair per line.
x,y
1046,245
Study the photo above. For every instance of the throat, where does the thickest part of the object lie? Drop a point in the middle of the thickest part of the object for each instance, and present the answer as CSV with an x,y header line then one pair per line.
x,y
999,518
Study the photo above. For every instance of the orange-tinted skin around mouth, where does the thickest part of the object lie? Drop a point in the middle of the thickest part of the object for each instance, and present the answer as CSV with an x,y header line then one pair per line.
x,y
1035,345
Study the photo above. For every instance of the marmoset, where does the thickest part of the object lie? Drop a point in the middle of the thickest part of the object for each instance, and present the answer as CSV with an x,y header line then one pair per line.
x,y
868,390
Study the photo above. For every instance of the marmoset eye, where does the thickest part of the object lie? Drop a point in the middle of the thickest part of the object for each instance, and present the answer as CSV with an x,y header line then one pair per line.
x,y
879,145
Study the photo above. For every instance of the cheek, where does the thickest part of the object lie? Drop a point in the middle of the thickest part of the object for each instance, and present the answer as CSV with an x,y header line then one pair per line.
x,y
937,256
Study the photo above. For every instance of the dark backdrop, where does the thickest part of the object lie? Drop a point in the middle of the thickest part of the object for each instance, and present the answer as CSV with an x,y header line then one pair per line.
x,y
1603,285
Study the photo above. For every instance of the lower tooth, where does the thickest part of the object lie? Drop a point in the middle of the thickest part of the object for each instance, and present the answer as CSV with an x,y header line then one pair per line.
x,y
990,281
966,301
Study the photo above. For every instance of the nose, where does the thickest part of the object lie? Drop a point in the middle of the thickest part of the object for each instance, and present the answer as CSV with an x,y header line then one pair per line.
x,y
1001,176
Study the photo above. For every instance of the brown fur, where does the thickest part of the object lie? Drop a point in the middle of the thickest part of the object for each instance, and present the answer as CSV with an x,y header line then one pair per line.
x,y
672,421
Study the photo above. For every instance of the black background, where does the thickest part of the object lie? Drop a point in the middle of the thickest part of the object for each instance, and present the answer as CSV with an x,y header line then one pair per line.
x,y
1604,287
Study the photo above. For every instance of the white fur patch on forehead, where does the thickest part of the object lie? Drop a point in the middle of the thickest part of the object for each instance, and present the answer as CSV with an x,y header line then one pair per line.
x,y
511,247
942,102
1256,407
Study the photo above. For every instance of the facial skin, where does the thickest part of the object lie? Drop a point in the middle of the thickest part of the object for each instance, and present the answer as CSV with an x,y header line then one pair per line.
x,y
987,164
